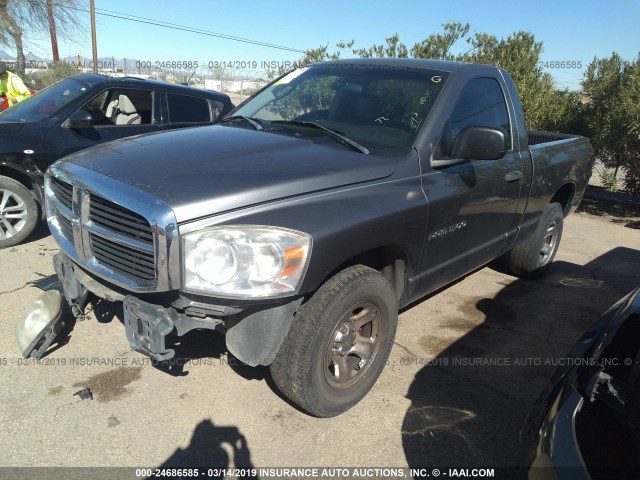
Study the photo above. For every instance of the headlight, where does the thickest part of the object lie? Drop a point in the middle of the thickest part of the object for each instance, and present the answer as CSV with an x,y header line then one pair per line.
x,y
245,261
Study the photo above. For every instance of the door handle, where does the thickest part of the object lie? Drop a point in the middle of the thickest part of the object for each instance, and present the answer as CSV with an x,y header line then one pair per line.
x,y
513,176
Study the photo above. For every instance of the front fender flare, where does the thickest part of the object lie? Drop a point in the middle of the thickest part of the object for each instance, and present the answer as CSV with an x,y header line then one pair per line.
x,y
255,336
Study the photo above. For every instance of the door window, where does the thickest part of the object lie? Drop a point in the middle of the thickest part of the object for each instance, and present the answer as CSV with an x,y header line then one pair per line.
x,y
185,108
118,106
481,104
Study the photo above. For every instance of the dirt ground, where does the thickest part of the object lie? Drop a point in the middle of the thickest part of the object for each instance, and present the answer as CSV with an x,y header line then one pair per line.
x,y
467,364
627,214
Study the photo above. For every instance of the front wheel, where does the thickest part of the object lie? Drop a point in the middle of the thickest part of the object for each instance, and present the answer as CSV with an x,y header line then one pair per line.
x,y
338,343
18,212
533,257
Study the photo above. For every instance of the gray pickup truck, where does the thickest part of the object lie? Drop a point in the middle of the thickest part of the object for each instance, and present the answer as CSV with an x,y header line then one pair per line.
x,y
298,227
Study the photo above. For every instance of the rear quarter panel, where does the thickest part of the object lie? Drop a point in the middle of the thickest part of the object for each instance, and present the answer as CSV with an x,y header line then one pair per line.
x,y
555,164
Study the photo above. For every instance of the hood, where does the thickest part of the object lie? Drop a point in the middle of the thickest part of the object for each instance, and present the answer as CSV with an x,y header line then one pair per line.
x,y
209,170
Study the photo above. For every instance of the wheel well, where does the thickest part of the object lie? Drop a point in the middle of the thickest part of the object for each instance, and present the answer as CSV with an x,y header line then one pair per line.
x,y
24,179
17,176
564,196
389,261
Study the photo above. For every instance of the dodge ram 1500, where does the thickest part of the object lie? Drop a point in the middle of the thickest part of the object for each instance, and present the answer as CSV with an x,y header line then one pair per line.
x,y
298,227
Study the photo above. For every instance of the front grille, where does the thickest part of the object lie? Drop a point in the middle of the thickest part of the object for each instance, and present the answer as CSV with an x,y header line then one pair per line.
x,y
63,191
108,239
120,220
126,259
65,226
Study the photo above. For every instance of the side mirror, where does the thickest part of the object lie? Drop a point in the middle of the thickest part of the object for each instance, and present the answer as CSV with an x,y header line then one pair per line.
x,y
79,119
479,143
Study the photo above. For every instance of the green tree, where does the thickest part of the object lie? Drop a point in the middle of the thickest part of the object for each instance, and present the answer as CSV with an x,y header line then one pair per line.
x,y
612,87
439,45
393,48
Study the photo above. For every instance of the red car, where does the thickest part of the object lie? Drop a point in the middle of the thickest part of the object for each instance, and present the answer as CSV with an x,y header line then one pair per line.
x,y
3,100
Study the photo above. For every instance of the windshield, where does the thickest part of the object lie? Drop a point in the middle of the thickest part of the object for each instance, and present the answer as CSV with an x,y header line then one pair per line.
x,y
45,103
381,107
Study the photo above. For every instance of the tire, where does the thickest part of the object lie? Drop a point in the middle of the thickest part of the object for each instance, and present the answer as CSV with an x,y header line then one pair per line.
x,y
351,319
533,257
18,212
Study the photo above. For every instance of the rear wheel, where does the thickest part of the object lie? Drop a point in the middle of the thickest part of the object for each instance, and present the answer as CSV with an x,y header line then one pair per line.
x,y
533,257
18,212
338,343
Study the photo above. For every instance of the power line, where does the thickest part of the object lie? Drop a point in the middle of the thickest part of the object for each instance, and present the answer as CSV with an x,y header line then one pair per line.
x,y
184,28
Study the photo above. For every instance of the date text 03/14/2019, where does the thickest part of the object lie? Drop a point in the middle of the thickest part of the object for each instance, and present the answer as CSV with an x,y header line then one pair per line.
x,y
214,64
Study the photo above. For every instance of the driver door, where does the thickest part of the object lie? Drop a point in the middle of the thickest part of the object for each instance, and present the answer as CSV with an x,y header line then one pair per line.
x,y
110,122
472,203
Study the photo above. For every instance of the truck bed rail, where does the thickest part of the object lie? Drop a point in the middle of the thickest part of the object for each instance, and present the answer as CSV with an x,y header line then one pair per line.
x,y
537,137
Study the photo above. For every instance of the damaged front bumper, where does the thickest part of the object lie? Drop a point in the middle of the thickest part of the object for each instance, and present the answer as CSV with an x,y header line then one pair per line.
x,y
147,326
254,332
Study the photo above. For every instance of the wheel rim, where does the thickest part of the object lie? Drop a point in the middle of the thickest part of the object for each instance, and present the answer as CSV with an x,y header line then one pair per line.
x,y
549,243
13,214
353,345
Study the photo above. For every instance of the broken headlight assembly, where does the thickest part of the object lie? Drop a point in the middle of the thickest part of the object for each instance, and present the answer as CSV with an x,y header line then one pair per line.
x,y
40,325
244,261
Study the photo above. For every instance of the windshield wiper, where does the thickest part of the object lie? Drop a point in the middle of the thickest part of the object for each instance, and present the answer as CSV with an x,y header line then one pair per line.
x,y
339,136
254,123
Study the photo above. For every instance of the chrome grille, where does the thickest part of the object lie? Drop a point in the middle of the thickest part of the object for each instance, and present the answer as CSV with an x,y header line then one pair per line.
x,y
111,246
133,243
65,226
63,192
124,258
120,220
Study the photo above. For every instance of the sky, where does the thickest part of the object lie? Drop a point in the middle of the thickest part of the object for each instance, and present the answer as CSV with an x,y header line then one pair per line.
x,y
572,31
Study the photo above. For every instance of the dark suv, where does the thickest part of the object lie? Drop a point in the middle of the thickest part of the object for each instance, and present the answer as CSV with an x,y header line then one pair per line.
x,y
79,112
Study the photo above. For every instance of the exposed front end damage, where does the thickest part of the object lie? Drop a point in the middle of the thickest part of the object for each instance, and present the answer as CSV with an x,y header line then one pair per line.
x,y
253,334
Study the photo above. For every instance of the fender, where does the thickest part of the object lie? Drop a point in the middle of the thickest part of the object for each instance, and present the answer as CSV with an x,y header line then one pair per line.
x,y
23,154
22,171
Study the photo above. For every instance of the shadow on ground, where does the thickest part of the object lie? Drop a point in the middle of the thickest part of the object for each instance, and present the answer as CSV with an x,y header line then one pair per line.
x,y
41,231
468,404
627,214
206,451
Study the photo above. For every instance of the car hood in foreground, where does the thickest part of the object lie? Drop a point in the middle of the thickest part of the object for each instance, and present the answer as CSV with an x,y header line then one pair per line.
x,y
208,170
587,351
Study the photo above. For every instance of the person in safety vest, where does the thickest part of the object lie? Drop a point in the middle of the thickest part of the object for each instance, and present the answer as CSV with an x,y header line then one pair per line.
x,y
12,86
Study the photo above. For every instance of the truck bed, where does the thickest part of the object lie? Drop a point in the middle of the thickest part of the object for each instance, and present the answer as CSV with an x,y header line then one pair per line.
x,y
559,160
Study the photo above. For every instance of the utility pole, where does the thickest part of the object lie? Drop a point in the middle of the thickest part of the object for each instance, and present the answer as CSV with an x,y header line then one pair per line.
x,y
94,45
52,32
